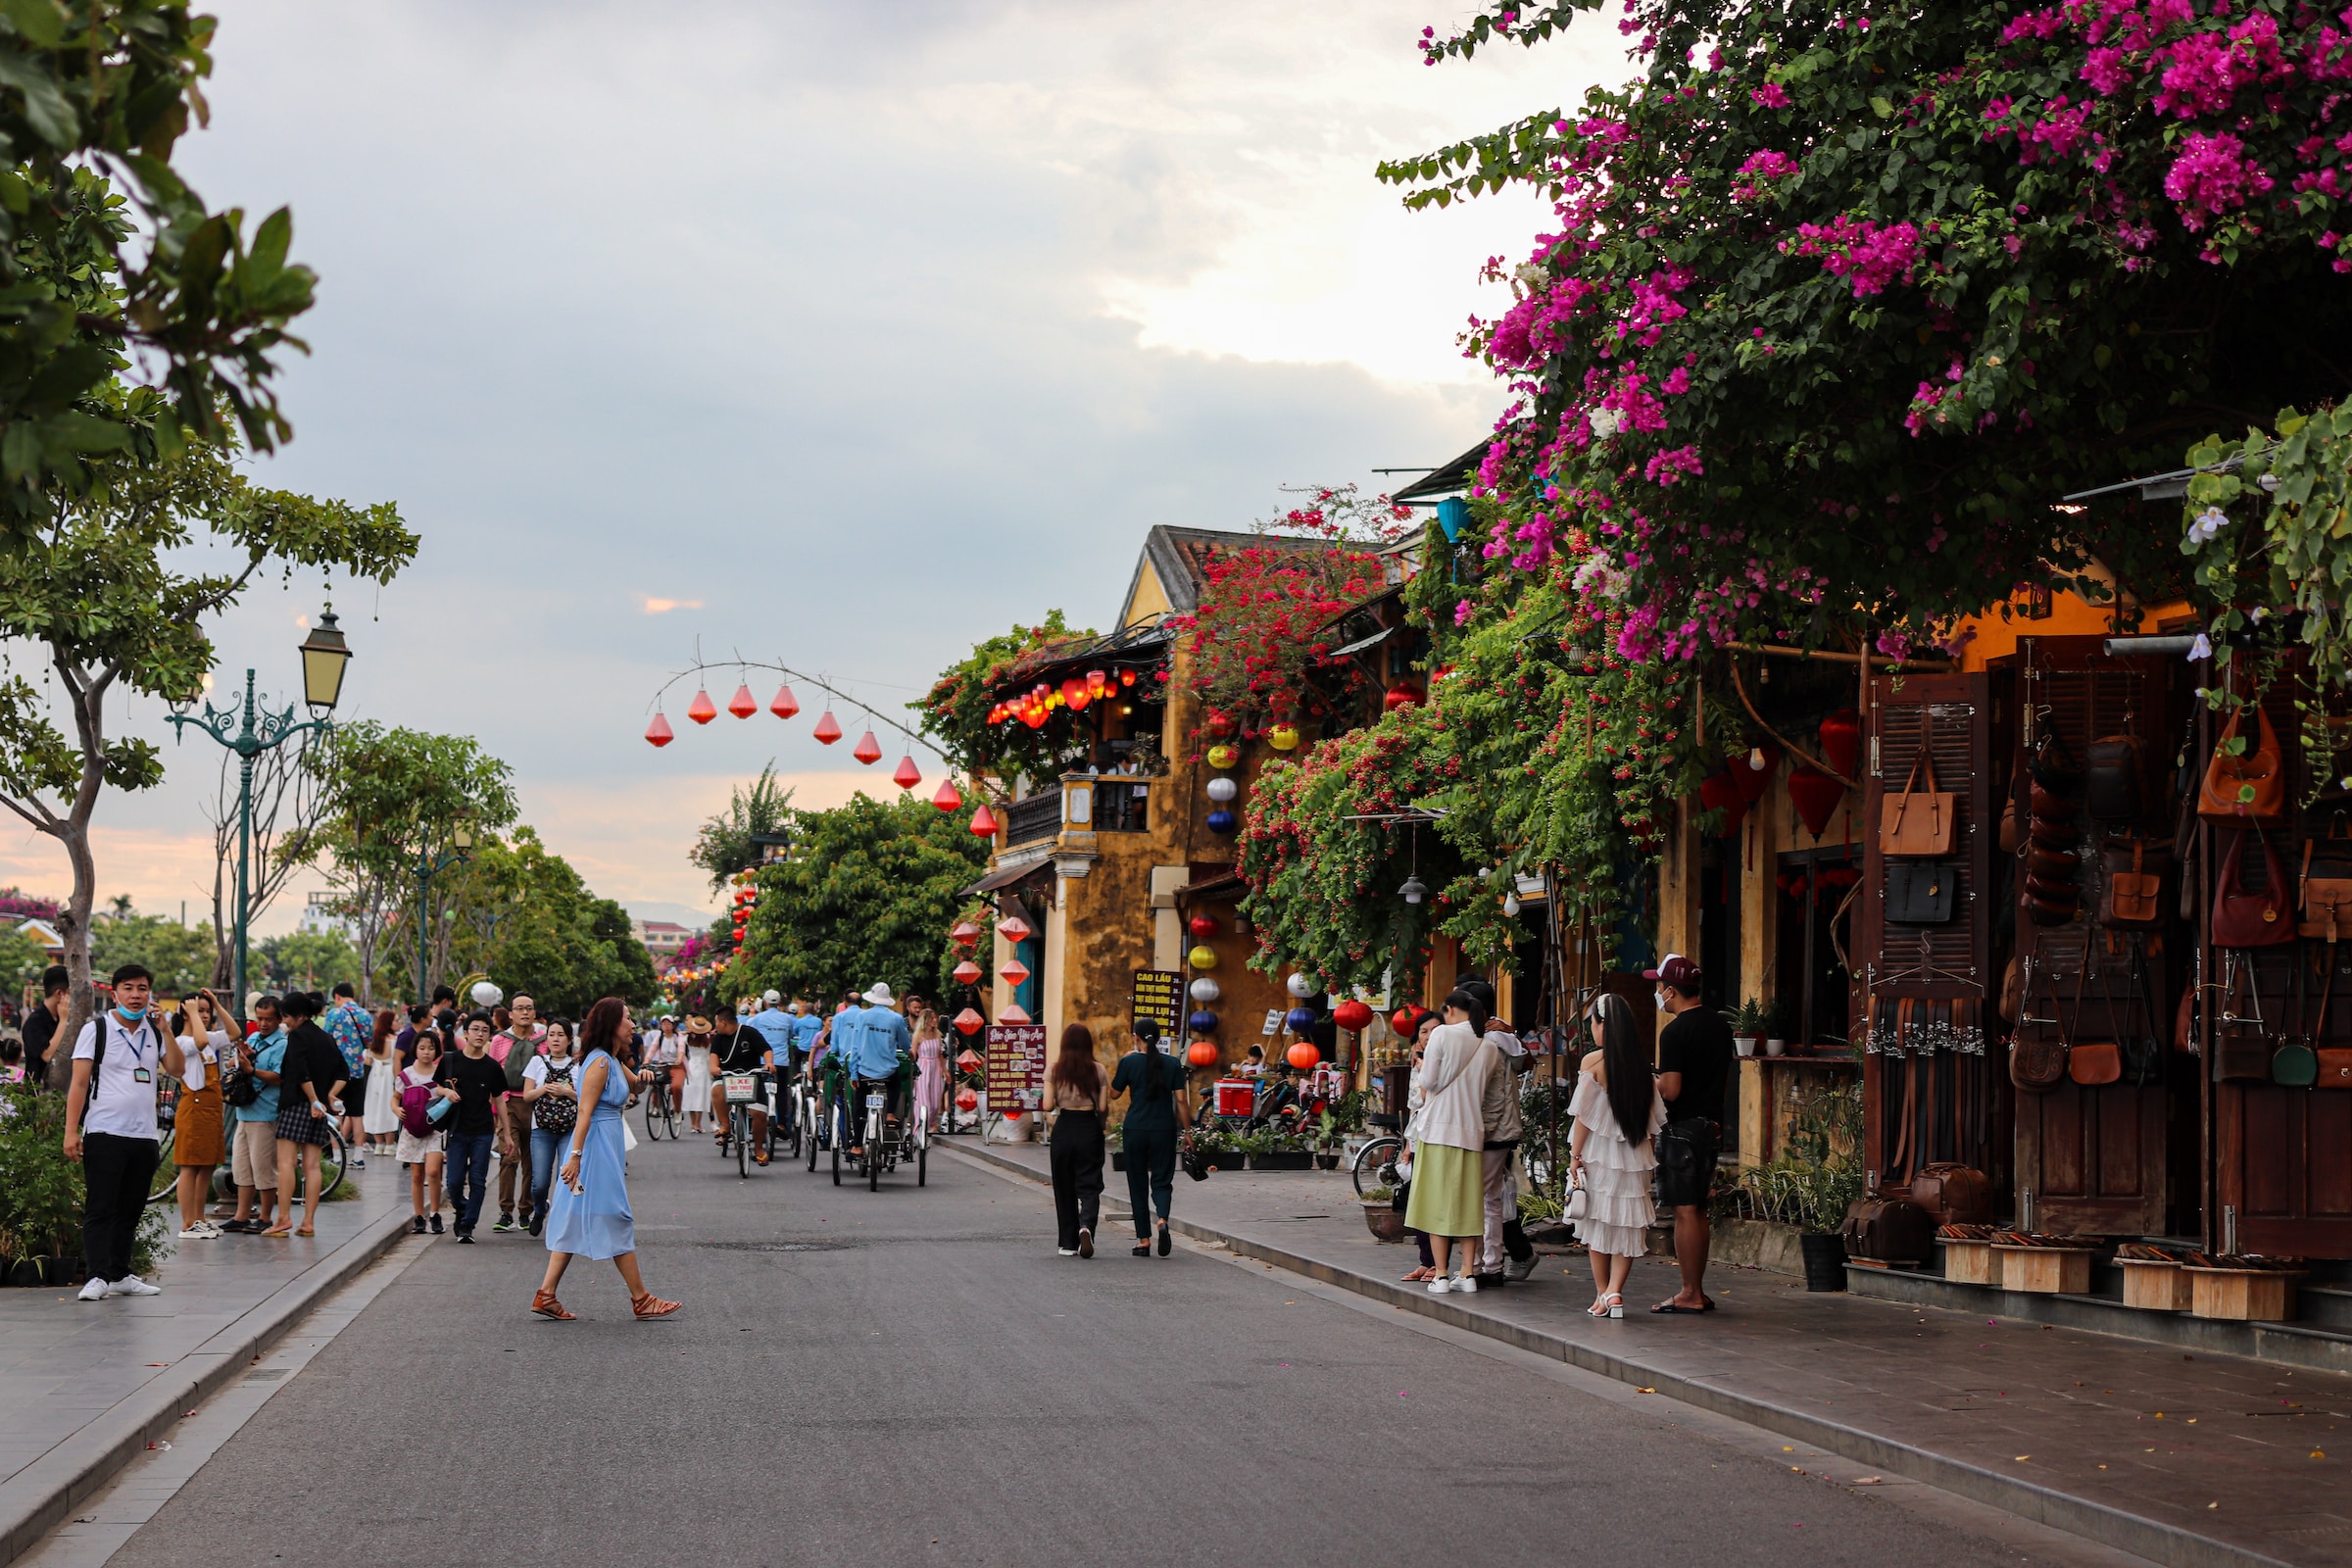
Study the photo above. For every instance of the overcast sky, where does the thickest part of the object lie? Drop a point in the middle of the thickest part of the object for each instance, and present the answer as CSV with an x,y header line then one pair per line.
x,y
849,334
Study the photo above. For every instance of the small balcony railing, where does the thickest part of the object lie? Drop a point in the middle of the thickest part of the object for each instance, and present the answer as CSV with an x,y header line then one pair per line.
x,y
1033,819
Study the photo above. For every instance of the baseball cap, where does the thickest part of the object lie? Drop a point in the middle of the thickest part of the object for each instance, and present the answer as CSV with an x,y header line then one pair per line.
x,y
1677,971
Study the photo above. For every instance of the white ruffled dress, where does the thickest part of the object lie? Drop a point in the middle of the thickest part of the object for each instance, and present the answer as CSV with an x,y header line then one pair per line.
x,y
1618,1174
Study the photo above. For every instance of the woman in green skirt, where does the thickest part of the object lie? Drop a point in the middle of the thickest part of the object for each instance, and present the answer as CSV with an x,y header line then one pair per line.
x,y
1448,1135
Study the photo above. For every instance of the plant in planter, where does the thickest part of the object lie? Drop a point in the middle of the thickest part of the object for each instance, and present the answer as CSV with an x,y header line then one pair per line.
x,y
1749,1020
1816,1177
1382,1218
42,1191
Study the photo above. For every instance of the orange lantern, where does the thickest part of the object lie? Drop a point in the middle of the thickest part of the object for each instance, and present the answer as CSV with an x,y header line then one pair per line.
x,y
1014,972
948,798
1302,1055
1201,1053
965,934
1012,928
984,822
702,710
1014,1015
969,1023
908,775
967,972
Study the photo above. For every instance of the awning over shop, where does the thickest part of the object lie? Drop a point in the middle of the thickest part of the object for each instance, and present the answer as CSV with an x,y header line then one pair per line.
x,y
1005,876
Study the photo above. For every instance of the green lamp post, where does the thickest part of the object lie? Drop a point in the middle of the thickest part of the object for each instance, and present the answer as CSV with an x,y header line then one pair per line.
x,y
250,728
432,862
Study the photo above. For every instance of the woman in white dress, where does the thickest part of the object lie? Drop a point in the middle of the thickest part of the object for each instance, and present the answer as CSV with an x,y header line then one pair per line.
x,y
698,1071
1617,1111
380,1117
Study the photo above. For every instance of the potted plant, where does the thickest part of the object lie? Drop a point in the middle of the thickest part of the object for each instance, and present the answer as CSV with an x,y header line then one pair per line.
x,y
1326,1141
1812,1183
1382,1218
1216,1146
1748,1021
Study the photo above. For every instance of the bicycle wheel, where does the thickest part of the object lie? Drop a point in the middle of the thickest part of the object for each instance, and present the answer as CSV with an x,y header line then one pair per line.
x,y
873,1159
167,1174
331,1160
837,1131
653,1122
808,1116
1371,1160
739,1131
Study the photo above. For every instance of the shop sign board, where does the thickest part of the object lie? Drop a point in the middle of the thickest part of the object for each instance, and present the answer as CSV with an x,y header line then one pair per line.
x,y
1016,1066
1158,998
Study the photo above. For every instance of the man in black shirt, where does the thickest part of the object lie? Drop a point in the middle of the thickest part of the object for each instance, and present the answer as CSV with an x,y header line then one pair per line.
x,y
1695,1063
740,1050
474,1123
41,1024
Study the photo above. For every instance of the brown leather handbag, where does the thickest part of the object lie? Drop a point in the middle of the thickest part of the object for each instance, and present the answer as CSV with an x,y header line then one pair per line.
x,y
2037,1049
2093,1062
1919,823
2244,788
2335,1070
2111,783
2135,895
2241,1041
1887,1228
2050,835
1953,1194
2055,809
2326,898
2247,919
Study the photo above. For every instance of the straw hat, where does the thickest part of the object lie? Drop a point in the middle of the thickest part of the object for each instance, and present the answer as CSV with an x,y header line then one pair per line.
x,y
697,1025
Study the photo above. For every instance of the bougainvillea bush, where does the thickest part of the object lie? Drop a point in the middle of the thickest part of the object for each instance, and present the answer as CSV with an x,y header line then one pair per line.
x,y
1840,298
1262,636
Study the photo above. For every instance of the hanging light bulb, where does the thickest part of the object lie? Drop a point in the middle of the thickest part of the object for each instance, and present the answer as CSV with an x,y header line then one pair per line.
x,y
784,704
1510,903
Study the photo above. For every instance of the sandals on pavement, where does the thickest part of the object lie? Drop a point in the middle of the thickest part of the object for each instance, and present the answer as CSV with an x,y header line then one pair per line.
x,y
1609,1305
650,1306
546,1305
1671,1306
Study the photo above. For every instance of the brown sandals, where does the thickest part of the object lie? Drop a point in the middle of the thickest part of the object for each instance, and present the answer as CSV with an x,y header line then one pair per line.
x,y
546,1305
650,1306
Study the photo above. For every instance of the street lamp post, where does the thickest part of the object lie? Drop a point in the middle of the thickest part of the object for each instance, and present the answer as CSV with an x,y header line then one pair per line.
x,y
432,862
249,729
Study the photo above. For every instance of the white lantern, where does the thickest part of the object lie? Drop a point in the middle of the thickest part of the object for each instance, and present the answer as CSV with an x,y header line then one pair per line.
x,y
1300,986
1222,789
486,995
1206,989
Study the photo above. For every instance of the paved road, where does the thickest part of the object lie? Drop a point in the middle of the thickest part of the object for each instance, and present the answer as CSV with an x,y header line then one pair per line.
x,y
914,1377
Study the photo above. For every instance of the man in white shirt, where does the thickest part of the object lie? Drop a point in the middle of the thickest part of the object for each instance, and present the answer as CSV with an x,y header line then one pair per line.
x,y
111,1128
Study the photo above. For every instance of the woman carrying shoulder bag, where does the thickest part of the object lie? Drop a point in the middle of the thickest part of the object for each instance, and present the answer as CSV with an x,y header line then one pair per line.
x,y
1449,1138
1076,1087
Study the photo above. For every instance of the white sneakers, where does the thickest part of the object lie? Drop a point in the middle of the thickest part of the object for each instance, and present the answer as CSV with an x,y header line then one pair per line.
x,y
1465,1284
93,1291
1458,1284
204,1230
132,1284
1068,1251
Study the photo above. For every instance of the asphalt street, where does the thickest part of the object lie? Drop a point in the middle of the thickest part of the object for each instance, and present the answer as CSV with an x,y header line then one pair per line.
x,y
913,1375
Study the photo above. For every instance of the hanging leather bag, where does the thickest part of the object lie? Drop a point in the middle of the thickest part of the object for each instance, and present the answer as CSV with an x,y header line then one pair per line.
x,y
2242,917
2052,865
2136,1030
2048,835
2241,1043
1919,821
2295,1064
2037,1050
2054,766
2093,1062
1921,892
2328,897
2244,788
2110,782
2133,898
1953,1194
2048,808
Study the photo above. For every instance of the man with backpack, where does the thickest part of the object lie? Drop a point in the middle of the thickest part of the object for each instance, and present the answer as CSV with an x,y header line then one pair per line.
x,y
512,1048
111,1129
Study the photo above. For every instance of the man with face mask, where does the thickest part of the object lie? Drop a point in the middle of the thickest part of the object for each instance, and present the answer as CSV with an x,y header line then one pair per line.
x,y
111,1129
1695,1063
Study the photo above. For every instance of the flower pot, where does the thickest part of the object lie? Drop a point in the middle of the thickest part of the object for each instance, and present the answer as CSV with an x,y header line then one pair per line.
x,y
1384,1222
1326,1160
1825,1260
1775,1048
1744,1045
1119,1160
31,1272
1283,1159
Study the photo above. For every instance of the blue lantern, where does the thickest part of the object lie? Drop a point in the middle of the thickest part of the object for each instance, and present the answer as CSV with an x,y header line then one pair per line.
x,y
1223,821
1454,515
1302,1019
1203,1022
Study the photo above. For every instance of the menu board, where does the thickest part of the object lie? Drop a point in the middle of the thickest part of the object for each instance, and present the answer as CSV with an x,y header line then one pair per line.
x,y
1159,999
1016,1066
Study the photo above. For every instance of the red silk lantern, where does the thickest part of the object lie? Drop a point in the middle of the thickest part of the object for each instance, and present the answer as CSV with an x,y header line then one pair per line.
x,y
659,732
1400,1023
1014,971
1302,1055
1012,928
1013,1016
965,934
968,1059
828,728
1815,795
1034,717
1126,677
702,710
1201,1053
967,1099
948,798
1202,925
909,775
969,1023
1351,1014
867,749
743,704
1074,692
984,822
1842,742
784,704
1098,681
967,972
1397,696
1721,789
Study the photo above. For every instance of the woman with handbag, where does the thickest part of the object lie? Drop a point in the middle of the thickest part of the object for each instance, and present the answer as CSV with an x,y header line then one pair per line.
x,y
1076,1088
199,1139
1449,1138
1616,1111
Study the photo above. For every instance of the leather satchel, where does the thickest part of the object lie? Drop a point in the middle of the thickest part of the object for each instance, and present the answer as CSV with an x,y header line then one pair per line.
x,y
1888,1229
1921,892
2037,1050
2241,1044
2092,1063
1953,1194
2248,788
2111,783
2135,895
2242,918
2334,1069
2326,898
1919,823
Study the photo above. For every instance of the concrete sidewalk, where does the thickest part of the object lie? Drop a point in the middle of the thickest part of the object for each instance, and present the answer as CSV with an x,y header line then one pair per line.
x,y
88,1383
2191,1460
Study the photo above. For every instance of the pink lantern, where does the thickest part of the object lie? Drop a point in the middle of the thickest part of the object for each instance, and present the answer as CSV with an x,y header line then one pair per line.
x,y
867,749
908,775
785,704
659,732
828,729
948,798
702,710
743,704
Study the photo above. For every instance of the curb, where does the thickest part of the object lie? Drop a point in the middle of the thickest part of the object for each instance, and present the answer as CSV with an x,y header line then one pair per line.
x,y
2150,1539
34,1499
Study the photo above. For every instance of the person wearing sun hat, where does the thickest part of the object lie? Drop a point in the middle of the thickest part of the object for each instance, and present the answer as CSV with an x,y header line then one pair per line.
x,y
698,1071
881,1048
1695,1063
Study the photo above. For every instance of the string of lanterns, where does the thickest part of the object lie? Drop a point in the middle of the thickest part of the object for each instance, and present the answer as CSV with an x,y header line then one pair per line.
x,y
1076,693
785,705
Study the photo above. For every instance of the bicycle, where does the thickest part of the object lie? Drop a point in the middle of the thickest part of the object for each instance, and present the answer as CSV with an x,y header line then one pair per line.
x,y
1376,1163
659,1118
919,1136
164,1185
740,1088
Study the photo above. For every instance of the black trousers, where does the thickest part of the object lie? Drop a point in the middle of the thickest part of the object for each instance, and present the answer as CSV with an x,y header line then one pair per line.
x,y
1077,1159
1151,1174
115,1172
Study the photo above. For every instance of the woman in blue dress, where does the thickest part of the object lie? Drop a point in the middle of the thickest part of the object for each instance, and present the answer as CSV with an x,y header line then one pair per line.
x,y
588,1214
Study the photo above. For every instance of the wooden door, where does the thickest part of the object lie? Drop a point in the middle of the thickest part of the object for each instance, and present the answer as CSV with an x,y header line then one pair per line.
x,y
2090,1161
